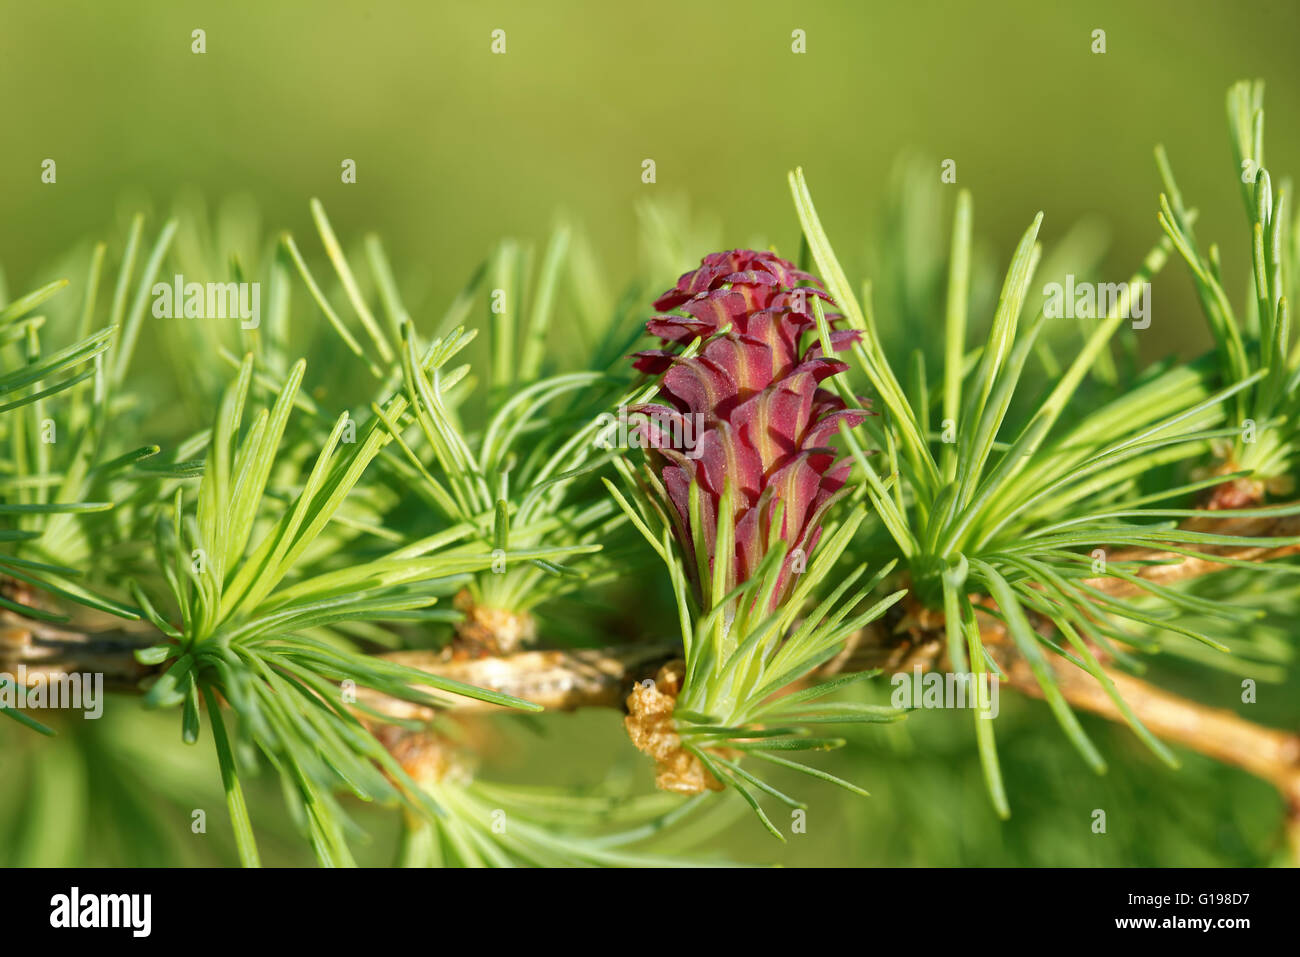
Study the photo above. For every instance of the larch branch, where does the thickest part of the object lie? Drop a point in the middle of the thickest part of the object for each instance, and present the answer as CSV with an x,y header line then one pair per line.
x,y
568,679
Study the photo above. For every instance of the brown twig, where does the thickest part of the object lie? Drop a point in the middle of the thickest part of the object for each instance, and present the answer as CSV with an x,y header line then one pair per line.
x,y
556,680
48,650
1172,567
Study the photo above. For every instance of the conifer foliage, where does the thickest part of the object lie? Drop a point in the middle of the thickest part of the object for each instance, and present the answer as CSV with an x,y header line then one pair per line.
x,y
357,550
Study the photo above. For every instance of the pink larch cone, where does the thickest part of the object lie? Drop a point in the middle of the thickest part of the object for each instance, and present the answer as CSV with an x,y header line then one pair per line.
x,y
756,390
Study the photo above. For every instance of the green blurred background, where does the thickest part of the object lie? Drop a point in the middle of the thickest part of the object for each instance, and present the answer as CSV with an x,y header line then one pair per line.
x,y
456,147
